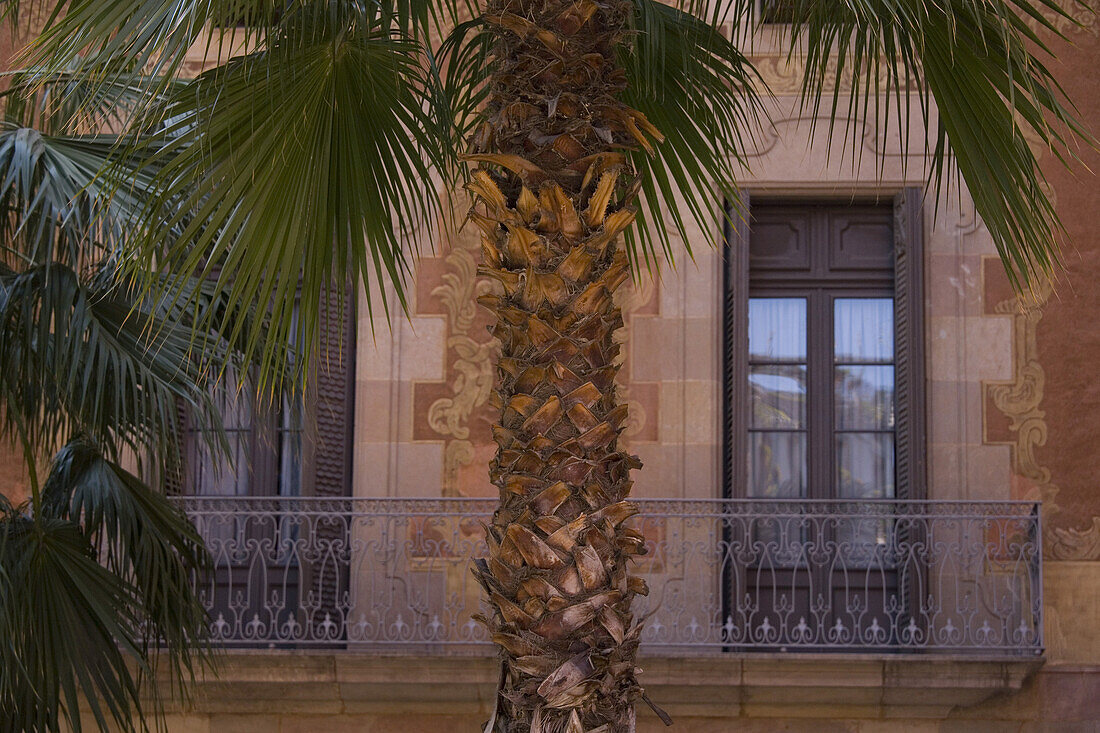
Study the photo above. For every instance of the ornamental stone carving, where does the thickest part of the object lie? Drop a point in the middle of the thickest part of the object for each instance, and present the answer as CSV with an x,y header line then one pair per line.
x,y
470,362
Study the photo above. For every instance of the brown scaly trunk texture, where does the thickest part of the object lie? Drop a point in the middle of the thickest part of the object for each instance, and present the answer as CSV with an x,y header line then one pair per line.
x,y
552,196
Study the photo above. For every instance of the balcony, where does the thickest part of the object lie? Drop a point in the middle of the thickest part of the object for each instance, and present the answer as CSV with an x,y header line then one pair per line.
x,y
880,577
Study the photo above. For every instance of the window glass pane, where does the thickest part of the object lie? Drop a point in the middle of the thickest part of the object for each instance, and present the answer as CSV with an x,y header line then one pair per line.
x,y
864,397
211,473
777,465
777,329
864,329
290,450
865,465
778,396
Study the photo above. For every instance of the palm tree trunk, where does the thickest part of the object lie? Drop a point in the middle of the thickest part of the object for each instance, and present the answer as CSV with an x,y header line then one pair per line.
x,y
552,196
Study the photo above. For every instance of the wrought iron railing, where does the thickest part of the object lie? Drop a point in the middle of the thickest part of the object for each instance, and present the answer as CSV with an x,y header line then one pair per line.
x,y
742,575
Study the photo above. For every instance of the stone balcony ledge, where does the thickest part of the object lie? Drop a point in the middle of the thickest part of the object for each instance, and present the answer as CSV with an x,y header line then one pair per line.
x,y
756,685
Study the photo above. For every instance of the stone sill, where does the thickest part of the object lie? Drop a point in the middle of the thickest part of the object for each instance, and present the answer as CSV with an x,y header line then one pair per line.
x,y
763,685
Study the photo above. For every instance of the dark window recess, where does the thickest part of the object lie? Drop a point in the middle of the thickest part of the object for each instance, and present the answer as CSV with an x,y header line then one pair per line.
x,y
293,448
823,401
297,446
825,346
265,448
775,11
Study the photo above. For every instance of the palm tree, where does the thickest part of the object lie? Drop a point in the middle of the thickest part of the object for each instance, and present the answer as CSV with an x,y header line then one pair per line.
x,y
316,156
96,568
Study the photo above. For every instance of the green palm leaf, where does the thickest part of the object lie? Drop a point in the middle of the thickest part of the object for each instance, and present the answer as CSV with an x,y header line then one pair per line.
x,y
57,206
142,537
97,572
65,103
701,92
93,38
68,623
296,167
81,349
142,42
100,578
80,357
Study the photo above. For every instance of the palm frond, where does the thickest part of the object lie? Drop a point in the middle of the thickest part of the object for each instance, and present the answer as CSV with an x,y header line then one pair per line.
x,y
95,585
69,625
98,572
63,103
90,356
974,68
56,202
423,19
141,536
466,57
82,348
293,168
148,40
701,92
105,44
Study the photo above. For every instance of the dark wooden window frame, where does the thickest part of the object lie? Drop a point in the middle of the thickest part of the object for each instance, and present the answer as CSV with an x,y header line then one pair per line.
x,y
908,293
326,423
327,440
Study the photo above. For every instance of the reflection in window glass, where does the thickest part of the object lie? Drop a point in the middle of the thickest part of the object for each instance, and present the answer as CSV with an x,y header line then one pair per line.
x,y
865,465
865,470
864,397
778,396
778,461
778,471
209,473
777,392
264,444
863,329
777,329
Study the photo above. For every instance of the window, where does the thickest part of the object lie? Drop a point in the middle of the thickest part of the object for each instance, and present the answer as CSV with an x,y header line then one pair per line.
x,y
289,449
823,403
774,11
298,447
265,449
824,352
821,353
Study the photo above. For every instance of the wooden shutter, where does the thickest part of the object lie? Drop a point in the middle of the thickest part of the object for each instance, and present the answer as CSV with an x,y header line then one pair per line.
x,y
334,396
327,468
736,348
909,344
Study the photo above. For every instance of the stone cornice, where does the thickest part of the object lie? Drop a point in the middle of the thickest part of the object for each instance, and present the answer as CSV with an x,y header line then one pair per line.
x,y
760,685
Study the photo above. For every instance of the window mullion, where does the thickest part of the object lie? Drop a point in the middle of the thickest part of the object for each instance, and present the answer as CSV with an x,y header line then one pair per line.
x,y
819,398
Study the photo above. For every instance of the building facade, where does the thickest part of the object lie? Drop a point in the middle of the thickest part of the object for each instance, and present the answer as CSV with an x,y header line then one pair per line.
x,y
868,486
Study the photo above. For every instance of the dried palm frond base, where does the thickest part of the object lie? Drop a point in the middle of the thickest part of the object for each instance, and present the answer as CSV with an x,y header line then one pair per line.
x,y
552,195
557,568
